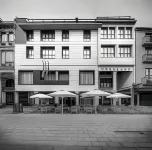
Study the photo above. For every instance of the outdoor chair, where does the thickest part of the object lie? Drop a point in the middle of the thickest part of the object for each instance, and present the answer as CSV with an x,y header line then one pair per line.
x,y
33,109
105,110
89,109
48,109
74,109
58,109
43,109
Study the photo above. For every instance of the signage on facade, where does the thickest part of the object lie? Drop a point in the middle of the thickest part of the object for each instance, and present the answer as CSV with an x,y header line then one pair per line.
x,y
115,69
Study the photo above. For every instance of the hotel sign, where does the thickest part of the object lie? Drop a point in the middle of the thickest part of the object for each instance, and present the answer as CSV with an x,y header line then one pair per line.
x,y
115,69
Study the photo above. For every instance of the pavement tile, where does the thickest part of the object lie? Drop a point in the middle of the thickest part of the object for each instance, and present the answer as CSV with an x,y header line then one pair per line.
x,y
69,143
109,148
77,148
84,143
143,149
83,135
145,145
61,148
94,148
129,144
114,144
127,148
104,139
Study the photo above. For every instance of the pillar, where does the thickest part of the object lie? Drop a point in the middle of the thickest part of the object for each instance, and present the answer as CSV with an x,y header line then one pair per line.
x,y
77,100
56,74
0,89
16,97
56,100
96,100
132,95
138,99
3,96
114,81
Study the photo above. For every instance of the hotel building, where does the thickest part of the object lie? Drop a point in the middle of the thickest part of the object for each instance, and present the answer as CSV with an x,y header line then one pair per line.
x,y
76,55
143,86
7,31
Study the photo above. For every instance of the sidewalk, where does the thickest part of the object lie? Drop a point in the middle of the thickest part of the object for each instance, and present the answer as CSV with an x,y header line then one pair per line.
x,y
75,131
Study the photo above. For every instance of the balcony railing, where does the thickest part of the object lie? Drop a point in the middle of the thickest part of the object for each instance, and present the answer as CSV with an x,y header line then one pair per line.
x,y
8,64
147,40
147,80
147,58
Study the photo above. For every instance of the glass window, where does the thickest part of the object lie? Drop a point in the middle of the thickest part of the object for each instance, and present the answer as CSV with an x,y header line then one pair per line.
x,y
107,51
111,33
26,77
65,35
105,82
86,78
87,53
48,35
11,37
86,35
148,71
29,52
30,36
104,33
48,52
128,33
50,75
63,75
65,52
121,32
124,51
4,37
148,50
8,58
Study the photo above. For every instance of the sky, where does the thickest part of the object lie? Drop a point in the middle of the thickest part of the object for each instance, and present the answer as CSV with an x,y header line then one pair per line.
x,y
141,10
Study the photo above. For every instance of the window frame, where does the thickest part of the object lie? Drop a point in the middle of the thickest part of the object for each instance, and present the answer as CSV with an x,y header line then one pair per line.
x,y
47,32
126,47
28,48
86,48
19,71
28,32
148,69
93,71
108,49
47,48
63,71
66,34
5,57
65,48
86,35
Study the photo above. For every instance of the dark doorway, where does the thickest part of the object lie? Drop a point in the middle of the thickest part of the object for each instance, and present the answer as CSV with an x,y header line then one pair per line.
x,y
9,98
23,98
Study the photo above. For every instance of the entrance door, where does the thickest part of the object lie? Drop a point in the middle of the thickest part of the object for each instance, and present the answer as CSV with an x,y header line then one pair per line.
x,y
23,98
9,98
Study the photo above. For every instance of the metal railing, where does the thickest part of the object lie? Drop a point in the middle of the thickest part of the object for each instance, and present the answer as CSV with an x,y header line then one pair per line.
x,y
147,58
8,64
147,39
146,80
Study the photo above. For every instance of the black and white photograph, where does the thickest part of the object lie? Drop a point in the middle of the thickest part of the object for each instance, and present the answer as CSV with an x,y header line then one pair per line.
x,y
76,75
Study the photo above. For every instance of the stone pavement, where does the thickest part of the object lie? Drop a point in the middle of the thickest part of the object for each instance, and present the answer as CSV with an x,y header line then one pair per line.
x,y
75,131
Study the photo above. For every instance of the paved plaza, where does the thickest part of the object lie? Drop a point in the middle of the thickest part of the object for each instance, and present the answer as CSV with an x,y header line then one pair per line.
x,y
74,131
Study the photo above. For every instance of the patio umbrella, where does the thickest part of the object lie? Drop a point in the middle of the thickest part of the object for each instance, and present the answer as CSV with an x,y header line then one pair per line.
x,y
118,95
39,95
62,93
94,93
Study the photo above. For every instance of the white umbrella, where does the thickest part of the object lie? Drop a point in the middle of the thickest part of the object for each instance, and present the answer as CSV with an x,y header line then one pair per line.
x,y
39,95
118,95
63,94
94,93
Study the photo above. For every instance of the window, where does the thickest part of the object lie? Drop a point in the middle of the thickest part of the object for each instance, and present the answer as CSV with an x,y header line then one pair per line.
x,y
30,36
148,72
11,37
86,78
25,77
87,52
104,33
148,50
124,51
48,52
108,33
65,35
125,32
48,35
107,51
50,76
8,58
86,35
4,37
29,52
121,32
105,82
128,33
65,52
63,75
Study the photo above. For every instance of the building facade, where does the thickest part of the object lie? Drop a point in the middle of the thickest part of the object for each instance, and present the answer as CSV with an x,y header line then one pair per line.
x,y
7,31
143,86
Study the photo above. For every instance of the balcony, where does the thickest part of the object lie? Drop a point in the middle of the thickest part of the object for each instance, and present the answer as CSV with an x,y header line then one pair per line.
x,y
4,44
147,41
147,81
147,58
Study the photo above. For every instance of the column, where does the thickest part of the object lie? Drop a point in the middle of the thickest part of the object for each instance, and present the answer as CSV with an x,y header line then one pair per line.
x,y
77,100
138,99
56,74
114,81
3,96
132,95
96,100
57,100
16,97
0,89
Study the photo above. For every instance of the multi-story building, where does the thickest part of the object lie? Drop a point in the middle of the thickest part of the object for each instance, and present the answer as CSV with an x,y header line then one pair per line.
x,y
7,31
74,54
52,55
143,57
116,56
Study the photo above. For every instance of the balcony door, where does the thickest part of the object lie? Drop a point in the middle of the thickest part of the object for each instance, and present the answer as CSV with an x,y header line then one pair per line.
x,y
9,98
7,58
